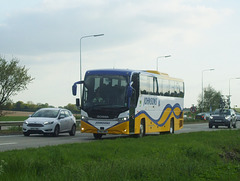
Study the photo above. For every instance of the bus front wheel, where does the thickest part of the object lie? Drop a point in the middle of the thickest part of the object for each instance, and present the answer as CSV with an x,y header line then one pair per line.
x,y
97,136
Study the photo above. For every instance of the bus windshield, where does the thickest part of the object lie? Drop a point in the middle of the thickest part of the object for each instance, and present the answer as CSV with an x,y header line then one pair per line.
x,y
104,91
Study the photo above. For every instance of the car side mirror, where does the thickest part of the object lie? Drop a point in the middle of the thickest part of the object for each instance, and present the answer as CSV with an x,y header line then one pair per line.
x,y
61,116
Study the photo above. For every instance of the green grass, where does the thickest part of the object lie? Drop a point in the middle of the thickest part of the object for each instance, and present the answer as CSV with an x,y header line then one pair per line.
x,y
193,156
13,118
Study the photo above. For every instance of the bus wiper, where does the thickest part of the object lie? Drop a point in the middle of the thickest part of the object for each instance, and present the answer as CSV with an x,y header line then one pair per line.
x,y
102,105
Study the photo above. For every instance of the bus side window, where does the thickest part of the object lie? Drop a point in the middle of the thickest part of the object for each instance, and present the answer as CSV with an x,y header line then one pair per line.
x,y
166,88
172,88
182,89
155,86
160,86
144,86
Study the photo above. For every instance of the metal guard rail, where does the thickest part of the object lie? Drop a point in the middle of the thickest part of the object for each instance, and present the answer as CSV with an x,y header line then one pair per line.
x,y
19,123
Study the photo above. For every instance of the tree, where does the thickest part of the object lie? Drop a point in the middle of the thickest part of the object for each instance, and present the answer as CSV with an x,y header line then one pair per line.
x,y
211,99
72,107
13,79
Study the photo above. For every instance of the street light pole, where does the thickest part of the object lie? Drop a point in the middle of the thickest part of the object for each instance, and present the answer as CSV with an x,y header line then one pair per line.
x,y
166,56
88,36
229,89
202,84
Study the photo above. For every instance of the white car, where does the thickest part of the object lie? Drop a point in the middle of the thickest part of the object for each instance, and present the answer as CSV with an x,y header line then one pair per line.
x,y
50,121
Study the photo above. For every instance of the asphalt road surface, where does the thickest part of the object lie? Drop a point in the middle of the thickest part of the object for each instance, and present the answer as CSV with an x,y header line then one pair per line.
x,y
13,142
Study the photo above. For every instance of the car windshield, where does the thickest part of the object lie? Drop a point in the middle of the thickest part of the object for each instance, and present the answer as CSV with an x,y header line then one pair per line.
x,y
46,113
222,111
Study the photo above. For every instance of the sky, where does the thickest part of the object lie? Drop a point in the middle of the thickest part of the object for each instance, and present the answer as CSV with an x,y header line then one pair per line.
x,y
198,34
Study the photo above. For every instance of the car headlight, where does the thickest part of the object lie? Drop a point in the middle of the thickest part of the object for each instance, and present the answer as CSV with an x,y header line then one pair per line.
x,y
25,122
227,117
211,117
48,122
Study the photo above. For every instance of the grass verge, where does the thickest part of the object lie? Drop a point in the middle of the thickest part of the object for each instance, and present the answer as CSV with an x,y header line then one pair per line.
x,y
13,118
193,156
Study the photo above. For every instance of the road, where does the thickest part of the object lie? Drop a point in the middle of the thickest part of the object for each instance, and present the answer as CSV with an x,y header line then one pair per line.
x,y
12,142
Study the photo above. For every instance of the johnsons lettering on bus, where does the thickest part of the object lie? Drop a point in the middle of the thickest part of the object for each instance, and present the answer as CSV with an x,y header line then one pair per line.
x,y
150,101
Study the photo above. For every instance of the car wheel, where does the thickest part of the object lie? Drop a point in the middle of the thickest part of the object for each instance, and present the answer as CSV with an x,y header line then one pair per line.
x,y
26,134
230,124
235,125
97,136
56,131
216,126
210,125
73,130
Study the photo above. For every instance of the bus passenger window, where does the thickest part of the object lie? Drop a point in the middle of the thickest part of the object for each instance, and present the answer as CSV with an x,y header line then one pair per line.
x,y
144,86
166,88
172,88
155,86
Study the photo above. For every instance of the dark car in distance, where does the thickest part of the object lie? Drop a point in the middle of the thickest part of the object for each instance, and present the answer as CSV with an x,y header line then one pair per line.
x,y
238,117
223,117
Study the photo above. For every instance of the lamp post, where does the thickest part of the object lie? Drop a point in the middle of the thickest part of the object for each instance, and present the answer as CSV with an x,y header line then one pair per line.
x,y
202,84
166,56
229,95
88,36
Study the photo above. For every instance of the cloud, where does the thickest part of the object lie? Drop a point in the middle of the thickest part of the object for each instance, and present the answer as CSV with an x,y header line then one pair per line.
x,y
45,36
56,27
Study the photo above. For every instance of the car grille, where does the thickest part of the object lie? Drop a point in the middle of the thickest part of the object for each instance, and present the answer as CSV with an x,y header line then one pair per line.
x,y
35,125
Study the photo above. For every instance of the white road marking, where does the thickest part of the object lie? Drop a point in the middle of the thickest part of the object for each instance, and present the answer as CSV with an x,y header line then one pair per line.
x,y
2,144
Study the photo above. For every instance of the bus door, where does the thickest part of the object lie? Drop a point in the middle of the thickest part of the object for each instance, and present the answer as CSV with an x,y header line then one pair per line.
x,y
133,101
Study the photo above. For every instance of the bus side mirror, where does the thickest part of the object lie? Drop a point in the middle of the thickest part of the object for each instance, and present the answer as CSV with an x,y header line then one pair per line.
x,y
74,87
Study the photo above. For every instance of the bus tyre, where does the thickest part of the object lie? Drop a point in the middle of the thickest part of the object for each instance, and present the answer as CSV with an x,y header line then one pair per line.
x,y
97,136
171,131
142,130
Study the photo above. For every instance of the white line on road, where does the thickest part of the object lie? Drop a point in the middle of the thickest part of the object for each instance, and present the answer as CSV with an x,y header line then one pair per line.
x,y
1,144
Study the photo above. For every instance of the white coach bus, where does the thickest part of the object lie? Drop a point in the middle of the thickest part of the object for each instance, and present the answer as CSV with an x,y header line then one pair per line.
x,y
127,102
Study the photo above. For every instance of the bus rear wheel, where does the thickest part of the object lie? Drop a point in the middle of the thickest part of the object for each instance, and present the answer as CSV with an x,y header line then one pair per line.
x,y
171,131
142,129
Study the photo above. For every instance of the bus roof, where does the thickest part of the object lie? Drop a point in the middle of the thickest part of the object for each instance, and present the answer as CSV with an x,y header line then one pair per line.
x,y
111,72
125,72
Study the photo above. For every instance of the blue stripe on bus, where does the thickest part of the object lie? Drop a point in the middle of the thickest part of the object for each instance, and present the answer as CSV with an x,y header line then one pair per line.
x,y
166,107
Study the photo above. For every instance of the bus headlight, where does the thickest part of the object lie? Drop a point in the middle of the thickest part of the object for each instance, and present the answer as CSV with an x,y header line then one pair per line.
x,y
84,118
123,119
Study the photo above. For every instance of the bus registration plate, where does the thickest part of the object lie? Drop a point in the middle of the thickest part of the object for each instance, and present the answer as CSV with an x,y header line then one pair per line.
x,y
102,131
